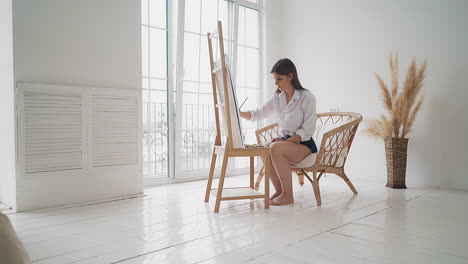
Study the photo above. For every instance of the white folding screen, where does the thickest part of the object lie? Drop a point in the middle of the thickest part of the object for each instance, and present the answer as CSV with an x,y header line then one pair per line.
x,y
77,144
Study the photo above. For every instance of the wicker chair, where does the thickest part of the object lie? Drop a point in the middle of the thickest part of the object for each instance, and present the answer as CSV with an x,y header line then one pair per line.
x,y
334,134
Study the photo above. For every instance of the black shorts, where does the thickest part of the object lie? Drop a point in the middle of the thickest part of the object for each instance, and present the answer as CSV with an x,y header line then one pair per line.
x,y
309,143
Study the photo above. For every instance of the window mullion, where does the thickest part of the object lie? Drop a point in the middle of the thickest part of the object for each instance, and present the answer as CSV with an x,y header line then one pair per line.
x,y
148,104
235,42
179,80
170,90
198,82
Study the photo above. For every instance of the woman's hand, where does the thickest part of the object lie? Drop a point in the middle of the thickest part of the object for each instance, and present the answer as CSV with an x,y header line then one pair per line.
x,y
277,139
245,115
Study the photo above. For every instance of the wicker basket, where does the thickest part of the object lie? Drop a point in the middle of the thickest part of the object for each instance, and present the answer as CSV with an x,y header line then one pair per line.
x,y
396,152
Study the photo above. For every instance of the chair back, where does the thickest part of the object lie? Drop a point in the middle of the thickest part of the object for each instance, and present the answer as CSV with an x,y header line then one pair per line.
x,y
334,134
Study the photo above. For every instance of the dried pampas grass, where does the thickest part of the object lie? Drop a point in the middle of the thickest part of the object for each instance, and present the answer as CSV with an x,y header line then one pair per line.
x,y
402,106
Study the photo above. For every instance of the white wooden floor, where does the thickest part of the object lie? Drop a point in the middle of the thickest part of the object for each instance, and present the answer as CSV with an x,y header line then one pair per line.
x,y
172,224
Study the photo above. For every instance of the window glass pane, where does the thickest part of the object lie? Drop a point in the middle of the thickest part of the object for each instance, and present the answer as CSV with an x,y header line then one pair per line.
x,y
240,66
157,96
242,26
158,53
251,103
241,96
205,101
251,27
144,12
205,66
158,109
145,153
252,1
161,152
145,95
223,11
190,87
145,110
192,16
207,88
144,51
158,153
160,85
158,13
251,68
145,99
145,83
227,45
206,106
209,16
190,109
191,56
205,98
158,104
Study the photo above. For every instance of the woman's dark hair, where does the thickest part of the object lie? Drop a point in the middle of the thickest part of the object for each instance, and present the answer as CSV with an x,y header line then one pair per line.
x,y
285,67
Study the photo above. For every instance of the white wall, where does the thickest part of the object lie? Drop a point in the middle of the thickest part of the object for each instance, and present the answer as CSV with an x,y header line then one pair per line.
x,y
86,42
78,43
7,133
339,45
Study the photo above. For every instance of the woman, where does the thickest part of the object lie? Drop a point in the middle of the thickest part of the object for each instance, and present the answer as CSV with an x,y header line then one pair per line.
x,y
294,109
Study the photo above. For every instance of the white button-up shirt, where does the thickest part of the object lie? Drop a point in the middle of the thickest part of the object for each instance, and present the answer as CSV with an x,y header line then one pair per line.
x,y
296,118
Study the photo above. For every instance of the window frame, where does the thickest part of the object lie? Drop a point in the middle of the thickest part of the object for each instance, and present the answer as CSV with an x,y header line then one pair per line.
x,y
175,65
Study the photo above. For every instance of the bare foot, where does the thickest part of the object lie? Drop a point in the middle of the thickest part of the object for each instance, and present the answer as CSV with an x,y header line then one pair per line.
x,y
282,200
277,194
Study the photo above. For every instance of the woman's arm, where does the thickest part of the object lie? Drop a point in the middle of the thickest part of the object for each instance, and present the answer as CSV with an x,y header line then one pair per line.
x,y
265,111
294,139
245,115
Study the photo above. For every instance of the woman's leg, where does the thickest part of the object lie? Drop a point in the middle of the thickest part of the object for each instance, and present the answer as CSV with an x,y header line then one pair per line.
x,y
275,180
283,153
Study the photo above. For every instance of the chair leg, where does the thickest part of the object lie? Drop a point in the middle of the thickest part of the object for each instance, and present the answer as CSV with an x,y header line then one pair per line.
x,y
315,185
267,181
259,178
221,184
342,174
252,172
210,177
300,178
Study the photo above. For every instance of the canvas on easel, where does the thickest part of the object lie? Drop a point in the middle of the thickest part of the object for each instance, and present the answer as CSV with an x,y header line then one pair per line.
x,y
224,98
237,138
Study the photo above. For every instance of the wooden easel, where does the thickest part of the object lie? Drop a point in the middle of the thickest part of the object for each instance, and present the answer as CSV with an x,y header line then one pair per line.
x,y
228,151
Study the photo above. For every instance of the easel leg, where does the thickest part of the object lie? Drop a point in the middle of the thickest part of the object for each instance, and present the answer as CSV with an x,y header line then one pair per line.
x,y
221,184
267,180
251,172
210,177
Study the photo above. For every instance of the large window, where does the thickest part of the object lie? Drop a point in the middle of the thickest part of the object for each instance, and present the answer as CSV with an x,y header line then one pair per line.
x,y
198,128
154,84
195,127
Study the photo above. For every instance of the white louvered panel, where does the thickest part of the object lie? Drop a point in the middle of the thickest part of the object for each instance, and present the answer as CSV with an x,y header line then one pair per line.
x,y
53,132
115,130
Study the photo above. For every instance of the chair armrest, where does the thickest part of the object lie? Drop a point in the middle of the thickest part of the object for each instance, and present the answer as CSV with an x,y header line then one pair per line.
x,y
266,134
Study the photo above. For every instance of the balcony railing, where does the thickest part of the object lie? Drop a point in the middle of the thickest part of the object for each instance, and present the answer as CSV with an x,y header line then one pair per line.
x,y
198,134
